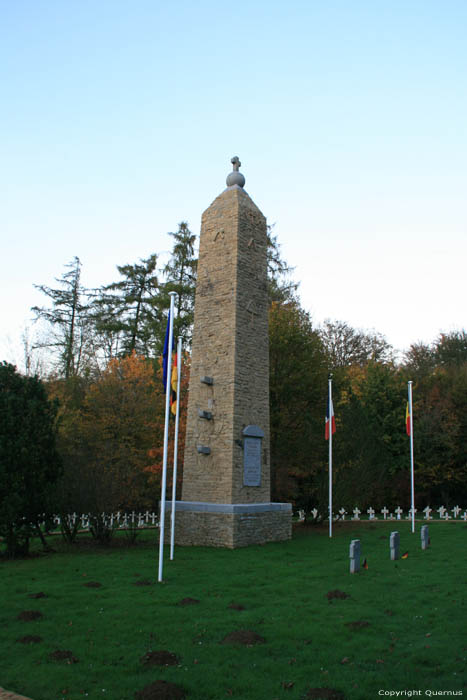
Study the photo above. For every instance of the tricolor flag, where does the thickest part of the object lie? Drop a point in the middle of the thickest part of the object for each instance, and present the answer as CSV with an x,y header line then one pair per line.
x,y
330,420
173,386
407,419
165,354
405,555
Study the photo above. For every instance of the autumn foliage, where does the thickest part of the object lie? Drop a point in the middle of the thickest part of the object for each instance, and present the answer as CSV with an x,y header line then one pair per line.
x,y
111,437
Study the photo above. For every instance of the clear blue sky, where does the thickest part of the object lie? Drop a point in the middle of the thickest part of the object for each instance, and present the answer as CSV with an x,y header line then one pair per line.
x,y
118,120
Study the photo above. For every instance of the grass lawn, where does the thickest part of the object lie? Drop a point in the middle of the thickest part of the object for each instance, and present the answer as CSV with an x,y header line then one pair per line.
x,y
401,628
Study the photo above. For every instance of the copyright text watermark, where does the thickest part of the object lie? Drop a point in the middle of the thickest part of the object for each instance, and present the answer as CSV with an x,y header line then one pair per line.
x,y
419,693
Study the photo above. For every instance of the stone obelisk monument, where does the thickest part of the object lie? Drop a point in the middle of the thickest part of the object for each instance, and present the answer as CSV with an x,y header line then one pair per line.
x,y
226,498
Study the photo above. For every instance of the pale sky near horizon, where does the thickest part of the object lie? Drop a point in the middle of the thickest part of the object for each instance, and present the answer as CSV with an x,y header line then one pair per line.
x,y
118,120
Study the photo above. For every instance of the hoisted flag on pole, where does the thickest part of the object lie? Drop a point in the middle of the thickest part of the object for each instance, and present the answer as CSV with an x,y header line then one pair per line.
x,y
176,405
174,385
166,353
167,366
330,420
409,429
329,430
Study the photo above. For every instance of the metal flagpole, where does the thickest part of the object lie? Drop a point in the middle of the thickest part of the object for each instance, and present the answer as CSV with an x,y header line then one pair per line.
x,y
330,453
174,476
166,437
412,484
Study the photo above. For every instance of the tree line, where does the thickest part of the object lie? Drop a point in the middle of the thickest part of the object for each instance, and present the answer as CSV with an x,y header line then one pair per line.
x,y
101,399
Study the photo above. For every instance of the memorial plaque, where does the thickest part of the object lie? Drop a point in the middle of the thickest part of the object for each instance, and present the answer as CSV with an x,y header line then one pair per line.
x,y
252,462
252,455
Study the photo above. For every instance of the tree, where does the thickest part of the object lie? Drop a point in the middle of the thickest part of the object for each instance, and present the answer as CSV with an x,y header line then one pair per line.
x,y
281,286
419,360
29,462
450,349
180,276
126,312
347,346
113,434
68,319
371,448
297,383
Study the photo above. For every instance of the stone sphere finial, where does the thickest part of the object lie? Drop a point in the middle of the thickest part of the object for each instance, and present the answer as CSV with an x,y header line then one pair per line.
x,y
235,177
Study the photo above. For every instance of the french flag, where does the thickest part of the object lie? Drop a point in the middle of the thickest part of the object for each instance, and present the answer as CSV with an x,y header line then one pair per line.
x,y
330,420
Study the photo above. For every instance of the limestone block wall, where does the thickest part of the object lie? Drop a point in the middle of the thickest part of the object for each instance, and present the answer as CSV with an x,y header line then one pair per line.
x,y
232,529
230,344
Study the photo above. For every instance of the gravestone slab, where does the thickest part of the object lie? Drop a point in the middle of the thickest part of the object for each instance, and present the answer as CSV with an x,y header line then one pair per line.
x,y
394,544
354,554
425,537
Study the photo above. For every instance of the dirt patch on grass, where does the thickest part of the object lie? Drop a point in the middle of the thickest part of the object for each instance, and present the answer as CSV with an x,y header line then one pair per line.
x,y
161,690
188,601
30,639
330,595
160,658
324,694
29,615
236,606
142,582
63,655
7,695
389,612
246,637
41,594
93,584
357,625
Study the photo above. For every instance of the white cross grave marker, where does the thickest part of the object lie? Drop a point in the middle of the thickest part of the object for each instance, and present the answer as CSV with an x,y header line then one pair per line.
x,y
356,514
343,512
398,512
371,513
384,512
427,512
441,512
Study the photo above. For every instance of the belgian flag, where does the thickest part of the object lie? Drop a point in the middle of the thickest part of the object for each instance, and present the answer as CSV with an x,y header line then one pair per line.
x,y
174,386
407,419
405,555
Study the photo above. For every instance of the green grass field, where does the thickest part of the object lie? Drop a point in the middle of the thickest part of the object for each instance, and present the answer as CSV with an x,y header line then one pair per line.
x,y
410,615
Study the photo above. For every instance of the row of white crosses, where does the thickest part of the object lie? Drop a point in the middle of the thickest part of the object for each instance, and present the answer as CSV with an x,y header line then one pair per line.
x,y
119,520
396,515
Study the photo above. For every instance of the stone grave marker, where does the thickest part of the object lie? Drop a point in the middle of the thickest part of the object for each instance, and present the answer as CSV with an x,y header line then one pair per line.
x,y
424,537
394,545
354,554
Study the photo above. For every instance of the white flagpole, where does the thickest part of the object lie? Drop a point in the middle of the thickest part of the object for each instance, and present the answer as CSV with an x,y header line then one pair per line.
x,y
330,454
166,438
412,481
174,476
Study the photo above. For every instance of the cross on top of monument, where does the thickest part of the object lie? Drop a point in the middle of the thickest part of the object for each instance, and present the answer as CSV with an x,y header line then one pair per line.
x,y
235,177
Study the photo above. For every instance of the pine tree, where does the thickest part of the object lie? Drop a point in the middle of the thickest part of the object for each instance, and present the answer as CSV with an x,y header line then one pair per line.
x,y
126,313
180,276
69,321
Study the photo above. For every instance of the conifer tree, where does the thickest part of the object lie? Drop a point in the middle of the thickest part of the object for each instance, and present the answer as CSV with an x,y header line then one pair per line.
x,y
68,320
126,312
180,276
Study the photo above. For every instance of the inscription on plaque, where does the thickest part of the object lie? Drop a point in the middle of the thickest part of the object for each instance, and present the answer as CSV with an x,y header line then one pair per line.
x,y
252,455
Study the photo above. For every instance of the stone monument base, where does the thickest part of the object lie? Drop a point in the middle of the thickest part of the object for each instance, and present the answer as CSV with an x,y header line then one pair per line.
x,y
229,525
